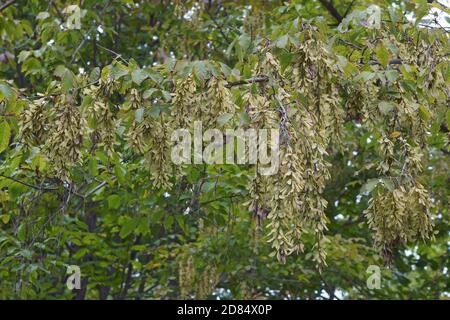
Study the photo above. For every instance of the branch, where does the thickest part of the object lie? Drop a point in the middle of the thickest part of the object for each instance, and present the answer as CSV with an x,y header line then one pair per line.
x,y
101,185
391,62
29,184
220,198
6,5
331,9
116,55
256,79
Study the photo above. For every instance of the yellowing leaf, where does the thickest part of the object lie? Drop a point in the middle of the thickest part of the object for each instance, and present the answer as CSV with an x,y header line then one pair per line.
x,y
395,134
382,55
424,113
5,218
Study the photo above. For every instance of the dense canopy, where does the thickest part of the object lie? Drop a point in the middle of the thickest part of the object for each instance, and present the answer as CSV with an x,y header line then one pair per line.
x,y
92,91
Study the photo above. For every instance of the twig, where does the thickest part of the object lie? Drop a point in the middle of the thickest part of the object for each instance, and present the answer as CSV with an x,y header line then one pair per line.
x,y
117,55
29,184
256,79
220,198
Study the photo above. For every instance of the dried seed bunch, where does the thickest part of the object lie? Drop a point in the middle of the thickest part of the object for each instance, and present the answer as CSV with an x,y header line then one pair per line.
x,y
104,125
134,100
33,123
135,136
65,141
217,101
159,151
186,276
314,79
185,102
207,282
399,216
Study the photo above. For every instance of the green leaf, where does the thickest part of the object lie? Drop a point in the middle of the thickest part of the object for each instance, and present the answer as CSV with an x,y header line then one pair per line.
x,y
42,15
200,70
38,162
23,55
139,115
138,76
68,81
128,227
5,134
168,222
21,232
282,41
149,93
152,74
388,183
244,42
369,185
385,107
224,118
94,75
118,70
93,167
5,218
120,173
391,75
5,91
365,76
113,201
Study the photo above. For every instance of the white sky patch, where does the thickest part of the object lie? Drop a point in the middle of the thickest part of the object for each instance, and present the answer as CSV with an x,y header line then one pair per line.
x,y
412,252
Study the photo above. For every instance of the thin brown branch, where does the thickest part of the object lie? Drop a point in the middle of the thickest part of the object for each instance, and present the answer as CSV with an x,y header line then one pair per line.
x,y
256,79
29,184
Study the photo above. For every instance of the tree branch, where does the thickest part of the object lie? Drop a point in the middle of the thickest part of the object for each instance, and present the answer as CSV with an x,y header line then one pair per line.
x,y
331,9
29,184
256,79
